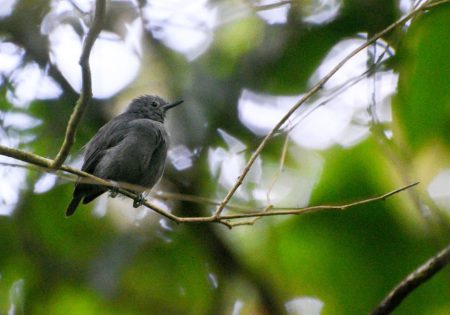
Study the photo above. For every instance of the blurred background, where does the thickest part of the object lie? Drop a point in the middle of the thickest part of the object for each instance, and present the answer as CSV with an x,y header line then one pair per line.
x,y
383,121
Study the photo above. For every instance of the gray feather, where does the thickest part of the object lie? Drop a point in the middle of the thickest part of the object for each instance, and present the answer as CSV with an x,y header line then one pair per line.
x,y
131,148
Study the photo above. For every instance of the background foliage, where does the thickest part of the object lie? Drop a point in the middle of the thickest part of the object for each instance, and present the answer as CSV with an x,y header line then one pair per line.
x,y
112,259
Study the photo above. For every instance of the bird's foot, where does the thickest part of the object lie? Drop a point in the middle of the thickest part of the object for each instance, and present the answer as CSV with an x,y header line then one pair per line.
x,y
114,190
138,201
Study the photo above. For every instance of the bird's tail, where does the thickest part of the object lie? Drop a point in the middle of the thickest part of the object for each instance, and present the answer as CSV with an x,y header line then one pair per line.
x,y
73,205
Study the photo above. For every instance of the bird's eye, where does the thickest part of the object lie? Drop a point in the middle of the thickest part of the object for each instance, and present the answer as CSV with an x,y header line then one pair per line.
x,y
154,104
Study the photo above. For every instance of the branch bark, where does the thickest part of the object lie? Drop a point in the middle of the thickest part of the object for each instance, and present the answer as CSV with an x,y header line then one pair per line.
x,y
412,281
222,219
86,90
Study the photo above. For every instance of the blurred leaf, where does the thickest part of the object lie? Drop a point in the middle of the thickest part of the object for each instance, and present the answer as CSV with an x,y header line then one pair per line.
x,y
170,278
422,105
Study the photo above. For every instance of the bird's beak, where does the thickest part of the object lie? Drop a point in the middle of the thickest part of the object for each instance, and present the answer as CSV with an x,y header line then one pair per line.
x,y
169,106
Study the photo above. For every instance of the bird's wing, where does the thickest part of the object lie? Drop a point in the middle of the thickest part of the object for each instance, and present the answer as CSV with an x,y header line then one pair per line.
x,y
144,136
108,136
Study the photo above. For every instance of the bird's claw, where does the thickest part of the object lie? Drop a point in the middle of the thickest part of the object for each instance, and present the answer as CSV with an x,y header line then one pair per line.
x,y
114,191
138,201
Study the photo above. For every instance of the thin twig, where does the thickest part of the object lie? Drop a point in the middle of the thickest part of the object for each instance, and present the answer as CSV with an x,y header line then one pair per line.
x,y
86,90
253,220
306,97
47,163
162,195
44,164
271,6
389,147
280,169
412,281
223,219
435,4
296,211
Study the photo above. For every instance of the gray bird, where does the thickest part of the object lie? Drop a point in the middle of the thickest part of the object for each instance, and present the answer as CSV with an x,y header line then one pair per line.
x,y
131,148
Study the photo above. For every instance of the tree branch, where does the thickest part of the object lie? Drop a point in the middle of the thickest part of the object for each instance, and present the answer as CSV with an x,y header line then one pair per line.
x,y
86,177
269,210
86,90
412,281
435,4
306,97
296,211
222,219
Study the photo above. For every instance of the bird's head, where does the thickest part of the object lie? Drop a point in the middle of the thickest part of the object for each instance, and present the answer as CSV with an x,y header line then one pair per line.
x,y
152,107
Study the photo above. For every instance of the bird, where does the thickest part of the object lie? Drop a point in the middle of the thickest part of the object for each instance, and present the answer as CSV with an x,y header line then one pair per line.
x,y
131,148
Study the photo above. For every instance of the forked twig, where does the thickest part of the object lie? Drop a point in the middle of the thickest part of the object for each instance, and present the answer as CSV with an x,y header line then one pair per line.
x,y
86,89
306,97
222,219
304,210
